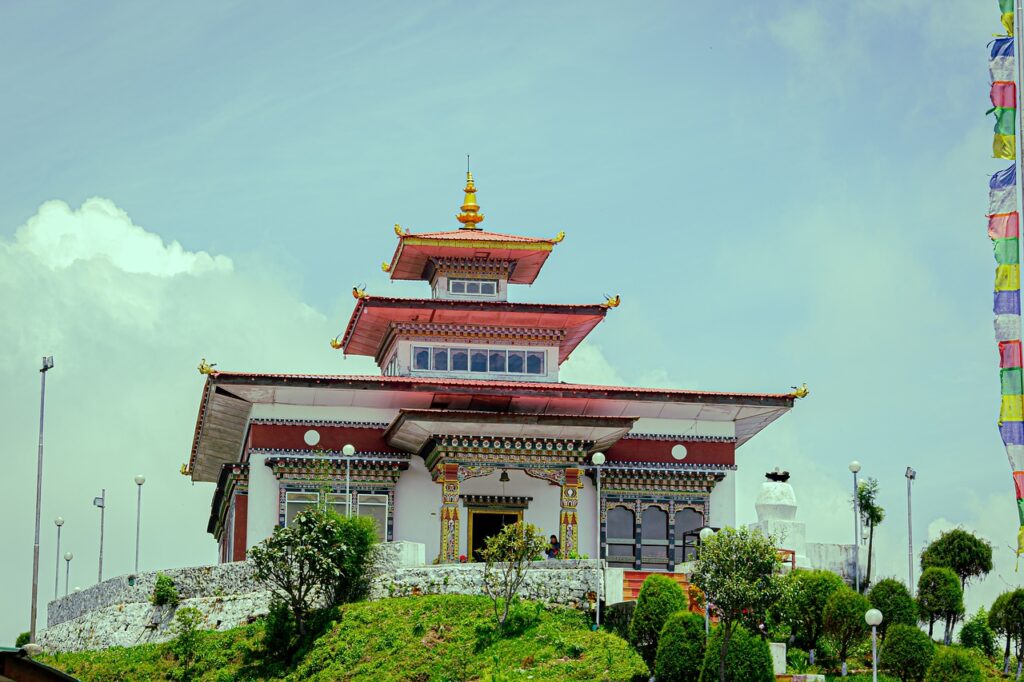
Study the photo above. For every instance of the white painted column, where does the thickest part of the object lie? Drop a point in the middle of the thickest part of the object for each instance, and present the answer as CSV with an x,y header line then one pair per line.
x,y
723,502
262,513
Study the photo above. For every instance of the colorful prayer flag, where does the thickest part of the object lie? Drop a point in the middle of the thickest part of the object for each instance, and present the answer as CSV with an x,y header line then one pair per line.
x,y
1001,65
1006,15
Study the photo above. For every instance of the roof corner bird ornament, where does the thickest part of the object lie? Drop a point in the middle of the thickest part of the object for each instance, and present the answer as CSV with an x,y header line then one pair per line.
x,y
801,392
184,470
206,368
611,301
359,292
559,237
386,267
399,232
336,342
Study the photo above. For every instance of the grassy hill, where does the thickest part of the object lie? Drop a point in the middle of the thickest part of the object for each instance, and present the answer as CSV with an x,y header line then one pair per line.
x,y
421,639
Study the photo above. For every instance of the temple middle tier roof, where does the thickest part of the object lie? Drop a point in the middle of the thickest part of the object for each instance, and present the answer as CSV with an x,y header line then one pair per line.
x,y
375,318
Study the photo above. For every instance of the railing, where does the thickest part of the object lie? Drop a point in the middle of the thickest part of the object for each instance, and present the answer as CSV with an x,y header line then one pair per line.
x,y
788,555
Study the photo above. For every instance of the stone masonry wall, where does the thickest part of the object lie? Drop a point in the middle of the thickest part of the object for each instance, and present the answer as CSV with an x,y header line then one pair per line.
x,y
116,613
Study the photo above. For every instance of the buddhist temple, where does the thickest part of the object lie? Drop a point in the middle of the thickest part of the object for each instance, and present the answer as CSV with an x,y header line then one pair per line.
x,y
468,427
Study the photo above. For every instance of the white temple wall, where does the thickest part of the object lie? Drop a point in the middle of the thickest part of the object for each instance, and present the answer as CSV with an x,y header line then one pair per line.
x,y
261,517
417,508
685,427
723,502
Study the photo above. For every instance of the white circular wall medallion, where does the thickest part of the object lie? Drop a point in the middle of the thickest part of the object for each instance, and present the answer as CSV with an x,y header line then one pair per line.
x,y
312,437
679,451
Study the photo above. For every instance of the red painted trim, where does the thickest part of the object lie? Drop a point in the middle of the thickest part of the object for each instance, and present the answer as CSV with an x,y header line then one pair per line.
x,y
241,521
290,437
697,452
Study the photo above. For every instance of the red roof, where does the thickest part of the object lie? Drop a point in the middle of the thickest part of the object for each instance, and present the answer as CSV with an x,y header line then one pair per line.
x,y
414,252
374,317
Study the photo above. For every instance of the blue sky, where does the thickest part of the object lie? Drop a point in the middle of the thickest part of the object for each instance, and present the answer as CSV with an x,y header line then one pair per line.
x,y
781,192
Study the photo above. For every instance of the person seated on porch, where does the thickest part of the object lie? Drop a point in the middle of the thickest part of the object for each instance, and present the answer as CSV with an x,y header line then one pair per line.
x,y
553,548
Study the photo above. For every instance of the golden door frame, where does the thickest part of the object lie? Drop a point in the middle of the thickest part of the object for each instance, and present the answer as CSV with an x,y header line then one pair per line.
x,y
474,511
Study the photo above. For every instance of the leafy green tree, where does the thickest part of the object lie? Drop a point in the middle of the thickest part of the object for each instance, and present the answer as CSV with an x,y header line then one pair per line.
x,y
680,648
953,665
748,658
892,598
185,646
844,620
871,515
965,553
358,536
737,571
939,597
507,556
164,591
978,635
1013,618
660,597
804,605
301,563
906,653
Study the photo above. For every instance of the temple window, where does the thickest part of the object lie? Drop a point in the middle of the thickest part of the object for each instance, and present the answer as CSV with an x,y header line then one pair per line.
x,y
296,503
621,534
473,287
376,508
654,537
491,360
688,522
338,502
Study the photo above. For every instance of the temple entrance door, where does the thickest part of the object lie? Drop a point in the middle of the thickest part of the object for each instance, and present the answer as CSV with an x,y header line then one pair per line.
x,y
485,523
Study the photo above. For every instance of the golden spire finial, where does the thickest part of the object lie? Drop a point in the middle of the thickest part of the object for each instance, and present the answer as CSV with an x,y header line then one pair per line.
x,y
470,216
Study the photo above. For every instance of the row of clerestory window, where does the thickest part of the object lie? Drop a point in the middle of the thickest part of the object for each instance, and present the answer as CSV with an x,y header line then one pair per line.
x,y
489,360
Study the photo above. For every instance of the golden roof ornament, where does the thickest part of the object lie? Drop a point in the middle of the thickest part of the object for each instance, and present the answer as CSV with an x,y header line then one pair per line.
x,y
801,392
336,342
385,266
206,368
470,216
611,301
559,237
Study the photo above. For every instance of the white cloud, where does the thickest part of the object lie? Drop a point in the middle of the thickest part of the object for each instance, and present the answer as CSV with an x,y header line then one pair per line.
x,y
127,317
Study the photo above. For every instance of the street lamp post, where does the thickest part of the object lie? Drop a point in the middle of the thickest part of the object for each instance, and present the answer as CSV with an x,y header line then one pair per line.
x,y
68,556
47,365
59,521
348,450
597,459
139,480
854,468
101,502
911,475
874,618
705,533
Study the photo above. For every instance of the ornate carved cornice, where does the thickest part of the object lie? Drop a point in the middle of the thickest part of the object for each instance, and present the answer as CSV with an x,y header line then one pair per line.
x,y
318,422
490,451
679,437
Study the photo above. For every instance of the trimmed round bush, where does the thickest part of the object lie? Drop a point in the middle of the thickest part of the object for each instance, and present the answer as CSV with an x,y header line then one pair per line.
x,y
748,659
893,599
906,653
680,648
659,598
951,664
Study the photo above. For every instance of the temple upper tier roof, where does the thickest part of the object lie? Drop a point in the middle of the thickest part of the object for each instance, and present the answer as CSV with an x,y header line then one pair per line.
x,y
375,317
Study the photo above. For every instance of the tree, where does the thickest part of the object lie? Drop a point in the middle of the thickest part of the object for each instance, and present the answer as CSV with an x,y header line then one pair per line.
x,y
659,598
977,634
506,558
302,562
965,553
939,597
185,645
871,514
358,536
1013,617
748,660
906,653
736,570
892,598
999,622
844,620
680,648
804,605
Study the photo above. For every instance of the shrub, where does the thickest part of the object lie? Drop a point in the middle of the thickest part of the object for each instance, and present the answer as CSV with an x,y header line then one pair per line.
x,y
844,619
617,617
797,661
22,639
680,648
659,598
279,631
748,659
978,635
906,653
953,665
507,556
893,599
358,535
805,603
164,591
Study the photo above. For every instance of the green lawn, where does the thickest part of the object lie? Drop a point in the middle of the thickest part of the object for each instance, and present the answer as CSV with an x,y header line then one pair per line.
x,y
422,639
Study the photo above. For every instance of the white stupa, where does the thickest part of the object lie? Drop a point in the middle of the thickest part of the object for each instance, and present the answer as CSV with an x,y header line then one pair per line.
x,y
776,516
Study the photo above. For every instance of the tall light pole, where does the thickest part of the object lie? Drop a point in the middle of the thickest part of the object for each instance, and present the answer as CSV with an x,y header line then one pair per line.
x,y
47,365
59,521
911,475
873,618
139,480
854,468
101,502
68,556
348,450
705,533
598,459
